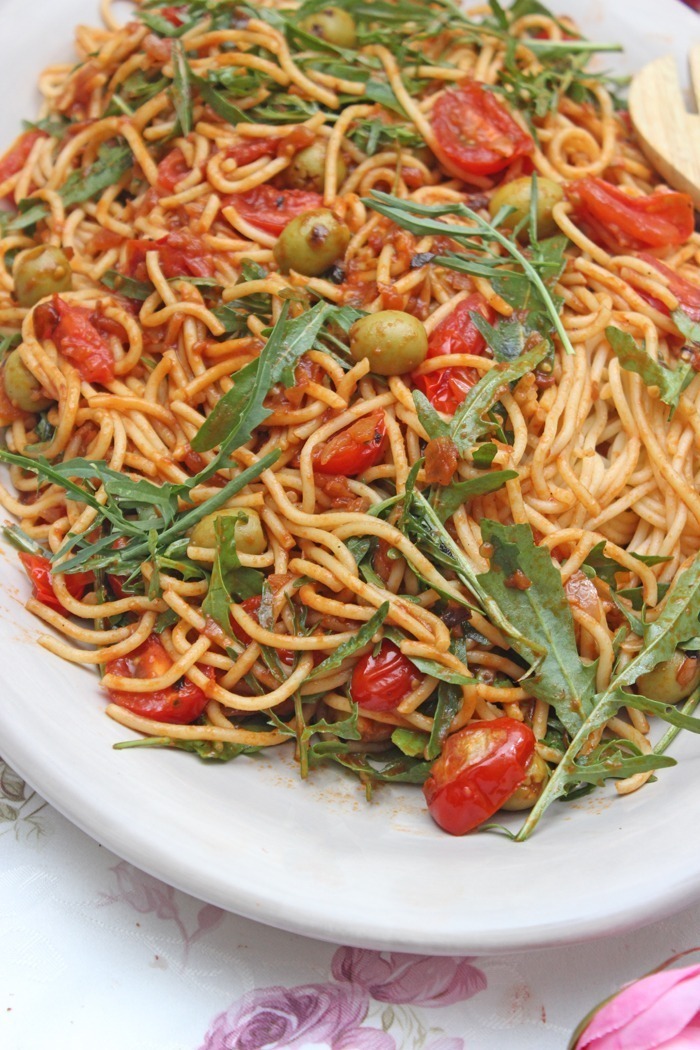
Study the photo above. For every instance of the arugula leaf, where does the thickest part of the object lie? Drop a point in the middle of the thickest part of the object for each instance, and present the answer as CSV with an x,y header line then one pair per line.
x,y
218,102
448,704
394,769
205,749
676,623
362,638
542,611
686,326
598,563
181,90
126,286
449,498
670,382
410,742
228,576
241,410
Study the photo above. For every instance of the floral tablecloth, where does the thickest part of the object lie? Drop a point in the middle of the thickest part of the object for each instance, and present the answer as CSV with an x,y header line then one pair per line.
x,y
97,955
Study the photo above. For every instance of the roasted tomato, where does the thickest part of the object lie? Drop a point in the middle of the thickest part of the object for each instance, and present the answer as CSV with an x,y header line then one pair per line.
x,y
271,209
77,337
171,170
447,388
688,294
175,15
252,607
355,449
181,254
476,132
479,769
252,149
179,704
38,569
16,157
653,220
379,683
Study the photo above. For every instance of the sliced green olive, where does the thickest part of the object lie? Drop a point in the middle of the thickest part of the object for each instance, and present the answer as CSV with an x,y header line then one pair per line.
x,y
311,242
40,272
392,341
672,680
332,24
308,168
22,388
525,796
249,534
518,194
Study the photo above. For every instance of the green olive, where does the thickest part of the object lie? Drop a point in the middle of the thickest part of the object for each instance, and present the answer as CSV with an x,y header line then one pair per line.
x,y
332,24
392,341
672,680
308,168
525,796
250,538
517,194
21,387
311,242
40,272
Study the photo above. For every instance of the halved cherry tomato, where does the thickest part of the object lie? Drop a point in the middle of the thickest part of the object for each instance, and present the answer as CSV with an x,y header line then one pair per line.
x,y
38,569
181,254
179,704
479,769
654,220
76,337
355,449
379,683
271,209
476,132
174,15
687,293
252,607
252,149
171,170
447,388
16,157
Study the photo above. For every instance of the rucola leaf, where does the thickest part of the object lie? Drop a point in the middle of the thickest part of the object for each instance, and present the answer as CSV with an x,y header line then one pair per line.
x,y
670,382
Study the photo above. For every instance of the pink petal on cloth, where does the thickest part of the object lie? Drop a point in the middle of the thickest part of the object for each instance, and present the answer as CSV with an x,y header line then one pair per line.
x,y
446,1042
400,978
365,1039
646,1014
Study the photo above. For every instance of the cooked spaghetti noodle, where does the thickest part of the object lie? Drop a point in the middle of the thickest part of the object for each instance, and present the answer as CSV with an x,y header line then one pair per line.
x,y
163,325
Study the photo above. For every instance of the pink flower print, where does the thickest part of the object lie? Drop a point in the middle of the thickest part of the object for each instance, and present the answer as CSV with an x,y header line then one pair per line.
x,y
421,980
143,892
291,1018
447,1042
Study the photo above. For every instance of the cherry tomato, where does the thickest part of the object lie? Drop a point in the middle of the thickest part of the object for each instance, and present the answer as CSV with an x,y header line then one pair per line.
x,y
654,220
252,607
77,338
171,170
173,15
271,209
479,769
16,157
380,683
252,149
476,132
355,449
688,294
181,254
179,704
38,569
447,388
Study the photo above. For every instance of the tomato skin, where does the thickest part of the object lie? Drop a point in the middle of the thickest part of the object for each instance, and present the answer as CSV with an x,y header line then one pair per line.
x,y
38,569
479,769
271,209
252,149
252,607
355,449
180,253
16,157
179,704
171,170
688,294
447,388
654,220
476,132
173,15
76,337
380,683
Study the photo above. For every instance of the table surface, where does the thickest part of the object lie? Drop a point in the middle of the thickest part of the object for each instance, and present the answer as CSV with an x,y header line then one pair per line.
x,y
97,953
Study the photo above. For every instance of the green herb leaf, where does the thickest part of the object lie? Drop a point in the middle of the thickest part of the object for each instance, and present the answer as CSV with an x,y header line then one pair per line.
x,y
362,638
410,742
670,382
205,749
449,498
182,88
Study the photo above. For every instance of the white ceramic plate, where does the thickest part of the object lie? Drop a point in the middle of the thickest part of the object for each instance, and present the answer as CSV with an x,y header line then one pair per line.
x,y
313,857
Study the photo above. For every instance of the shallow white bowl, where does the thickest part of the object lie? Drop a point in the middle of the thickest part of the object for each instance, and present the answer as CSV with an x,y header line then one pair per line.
x,y
313,857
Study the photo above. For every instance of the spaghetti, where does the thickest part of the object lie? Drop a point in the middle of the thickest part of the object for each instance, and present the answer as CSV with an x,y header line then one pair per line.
x,y
350,394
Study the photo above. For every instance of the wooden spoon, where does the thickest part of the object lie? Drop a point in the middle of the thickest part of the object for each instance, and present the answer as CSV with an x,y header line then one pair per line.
x,y
669,134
